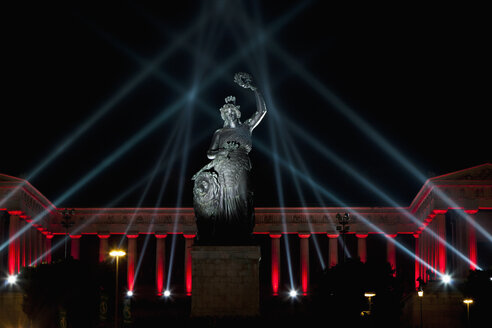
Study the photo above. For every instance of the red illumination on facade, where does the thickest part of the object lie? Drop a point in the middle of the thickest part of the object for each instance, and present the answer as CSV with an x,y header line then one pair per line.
x,y
304,240
188,268
472,239
160,262
275,272
131,256
417,263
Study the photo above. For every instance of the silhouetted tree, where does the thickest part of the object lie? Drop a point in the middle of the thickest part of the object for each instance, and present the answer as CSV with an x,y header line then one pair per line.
x,y
69,286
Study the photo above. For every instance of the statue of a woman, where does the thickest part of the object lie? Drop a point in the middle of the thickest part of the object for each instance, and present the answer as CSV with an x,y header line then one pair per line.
x,y
222,197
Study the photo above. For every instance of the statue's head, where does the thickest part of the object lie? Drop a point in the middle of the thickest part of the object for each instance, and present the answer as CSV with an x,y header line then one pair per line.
x,y
230,111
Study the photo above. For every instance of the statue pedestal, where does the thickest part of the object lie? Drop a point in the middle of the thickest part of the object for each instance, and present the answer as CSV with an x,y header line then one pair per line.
x,y
225,281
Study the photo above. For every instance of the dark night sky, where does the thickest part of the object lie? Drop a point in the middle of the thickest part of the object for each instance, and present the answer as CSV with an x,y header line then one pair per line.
x,y
420,76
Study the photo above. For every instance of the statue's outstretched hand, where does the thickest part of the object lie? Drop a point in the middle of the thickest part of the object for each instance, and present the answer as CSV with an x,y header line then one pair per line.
x,y
245,80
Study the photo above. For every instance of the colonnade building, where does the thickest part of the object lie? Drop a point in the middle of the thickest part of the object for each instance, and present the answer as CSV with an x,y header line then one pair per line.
x,y
445,230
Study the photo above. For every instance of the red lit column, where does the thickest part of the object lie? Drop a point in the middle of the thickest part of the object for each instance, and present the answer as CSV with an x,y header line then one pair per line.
x,y
47,244
472,240
362,247
441,246
391,252
12,245
275,262
188,269
131,256
333,248
75,246
29,256
304,245
103,246
34,245
417,255
160,262
23,245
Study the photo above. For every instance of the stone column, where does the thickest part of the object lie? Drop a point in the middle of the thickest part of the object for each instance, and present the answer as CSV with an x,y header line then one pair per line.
x,y
440,230
103,246
188,268
42,245
391,252
12,266
333,250
22,244
417,256
275,242
362,247
472,239
131,257
29,253
160,262
34,245
47,244
75,246
304,257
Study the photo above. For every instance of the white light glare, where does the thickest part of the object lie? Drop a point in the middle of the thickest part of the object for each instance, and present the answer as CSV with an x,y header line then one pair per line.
x,y
167,293
12,279
293,293
446,279
129,293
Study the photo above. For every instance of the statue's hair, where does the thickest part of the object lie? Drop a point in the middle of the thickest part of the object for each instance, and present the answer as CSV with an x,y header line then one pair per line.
x,y
230,104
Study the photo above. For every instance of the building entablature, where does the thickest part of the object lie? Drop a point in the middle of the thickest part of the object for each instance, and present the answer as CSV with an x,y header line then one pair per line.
x,y
469,189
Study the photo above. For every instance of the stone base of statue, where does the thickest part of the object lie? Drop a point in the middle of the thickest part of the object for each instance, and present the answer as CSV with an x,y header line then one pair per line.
x,y
225,281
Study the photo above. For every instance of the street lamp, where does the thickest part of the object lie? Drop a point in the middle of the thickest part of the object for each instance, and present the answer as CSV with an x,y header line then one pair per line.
x,y
421,296
468,301
117,253
343,227
67,223
369,295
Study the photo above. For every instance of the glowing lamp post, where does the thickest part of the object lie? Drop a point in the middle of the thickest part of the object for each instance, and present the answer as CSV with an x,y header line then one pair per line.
x,y
421,297
370,295
117,253
468,301
343,228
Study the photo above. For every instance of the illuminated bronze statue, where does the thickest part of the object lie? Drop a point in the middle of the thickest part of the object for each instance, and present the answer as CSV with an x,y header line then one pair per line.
x,y
222,197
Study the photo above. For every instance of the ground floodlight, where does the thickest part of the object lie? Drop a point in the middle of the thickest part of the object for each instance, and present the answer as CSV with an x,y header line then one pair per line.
x,y
446,279
12,279
167,293
293,293
129,293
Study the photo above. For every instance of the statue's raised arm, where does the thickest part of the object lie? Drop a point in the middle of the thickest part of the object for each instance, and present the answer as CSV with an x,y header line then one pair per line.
x,y
245,80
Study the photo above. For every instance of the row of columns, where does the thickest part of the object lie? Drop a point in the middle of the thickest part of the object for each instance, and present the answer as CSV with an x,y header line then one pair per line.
x,y
32,247
160,258
332,256
430,245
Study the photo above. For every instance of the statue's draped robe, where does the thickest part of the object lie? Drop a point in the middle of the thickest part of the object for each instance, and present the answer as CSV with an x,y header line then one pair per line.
x,y
222,199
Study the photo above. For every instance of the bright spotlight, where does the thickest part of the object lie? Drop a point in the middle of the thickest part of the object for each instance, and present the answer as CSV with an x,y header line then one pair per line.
x,y
167,293
12,279
293,293
446,279
129,293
